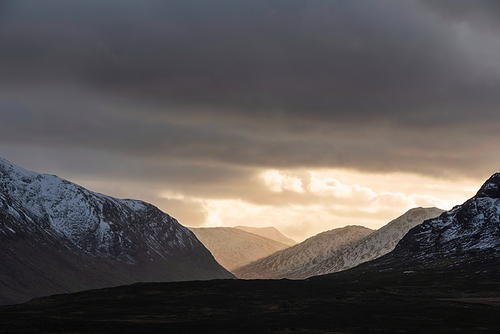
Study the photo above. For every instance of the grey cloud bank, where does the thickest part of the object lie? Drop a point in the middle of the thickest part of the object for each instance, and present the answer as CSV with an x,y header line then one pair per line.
x,y
277,82
202,96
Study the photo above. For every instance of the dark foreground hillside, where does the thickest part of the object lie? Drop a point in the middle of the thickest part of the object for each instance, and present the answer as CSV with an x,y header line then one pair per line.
x,y
396,301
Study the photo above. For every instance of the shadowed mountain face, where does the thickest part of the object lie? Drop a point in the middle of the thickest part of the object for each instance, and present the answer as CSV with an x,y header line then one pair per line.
x,y
233,247
58,237
466,236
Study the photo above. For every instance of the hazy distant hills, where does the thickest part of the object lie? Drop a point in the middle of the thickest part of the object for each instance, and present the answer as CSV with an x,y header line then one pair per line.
x,y
58,237
270,232
308,252
466,236
233,247
366,248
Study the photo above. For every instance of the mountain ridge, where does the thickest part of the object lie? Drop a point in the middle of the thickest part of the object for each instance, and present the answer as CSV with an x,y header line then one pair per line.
x,y
233,247
467,236
308,251
57,237
270,232
370,246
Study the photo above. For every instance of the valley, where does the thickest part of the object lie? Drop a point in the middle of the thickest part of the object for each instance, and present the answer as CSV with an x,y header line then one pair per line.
x,y
396,301
249,166
442,275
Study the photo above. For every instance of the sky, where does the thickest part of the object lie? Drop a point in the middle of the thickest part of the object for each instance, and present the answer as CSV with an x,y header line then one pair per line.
x,y
306,115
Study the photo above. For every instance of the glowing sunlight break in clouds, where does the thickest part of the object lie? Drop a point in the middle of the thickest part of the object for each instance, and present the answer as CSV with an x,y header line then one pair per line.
x,y
304,203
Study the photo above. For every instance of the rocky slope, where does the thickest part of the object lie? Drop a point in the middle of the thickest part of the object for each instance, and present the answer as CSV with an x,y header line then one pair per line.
x,y
270,232
233,247
312,250
58,237
370,247
373,246
466,236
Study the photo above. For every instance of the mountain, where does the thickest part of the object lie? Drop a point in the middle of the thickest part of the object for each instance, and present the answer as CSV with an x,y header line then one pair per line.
x,y
442,277
270,232
233,247
58,237
468,236
370,247
310,251
378,243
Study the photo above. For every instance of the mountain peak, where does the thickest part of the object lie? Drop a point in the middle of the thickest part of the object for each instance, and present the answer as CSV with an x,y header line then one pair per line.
x,y
233,247
270,232
335,250
58,237
491,188
468,235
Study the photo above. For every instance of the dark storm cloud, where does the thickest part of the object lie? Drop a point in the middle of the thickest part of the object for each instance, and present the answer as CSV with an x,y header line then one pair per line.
x,y
467,10
212,149
349,58
13,113
373,85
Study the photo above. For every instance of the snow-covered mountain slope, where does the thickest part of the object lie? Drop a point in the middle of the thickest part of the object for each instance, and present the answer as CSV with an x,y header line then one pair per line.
x,y
56,236
467,235
366,248
233,247
308,252
270,232
373,246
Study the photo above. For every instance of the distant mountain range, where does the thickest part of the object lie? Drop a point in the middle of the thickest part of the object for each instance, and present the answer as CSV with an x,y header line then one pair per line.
x,y
233,247
467,237
58,237
321,260
270,232
309,252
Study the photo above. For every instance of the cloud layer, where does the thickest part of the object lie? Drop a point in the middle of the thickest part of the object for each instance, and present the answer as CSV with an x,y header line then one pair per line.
x,y
203,98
